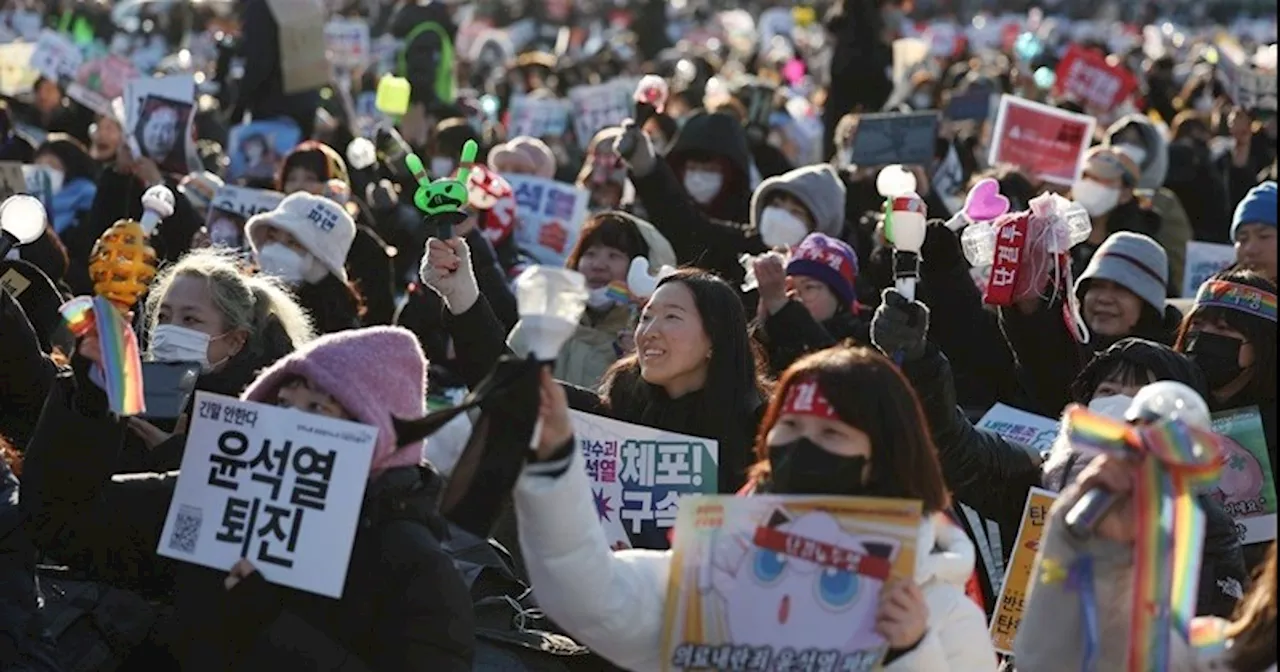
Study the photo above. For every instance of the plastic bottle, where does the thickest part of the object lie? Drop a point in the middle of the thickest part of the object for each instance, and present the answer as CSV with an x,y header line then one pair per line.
x,y
979,243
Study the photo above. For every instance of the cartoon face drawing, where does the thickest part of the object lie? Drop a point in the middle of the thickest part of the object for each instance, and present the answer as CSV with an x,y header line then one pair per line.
x,y
1241,480
781,600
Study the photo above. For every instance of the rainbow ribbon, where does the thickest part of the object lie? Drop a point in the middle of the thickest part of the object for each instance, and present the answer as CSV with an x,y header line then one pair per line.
x,y
121,362
619,293
1170,524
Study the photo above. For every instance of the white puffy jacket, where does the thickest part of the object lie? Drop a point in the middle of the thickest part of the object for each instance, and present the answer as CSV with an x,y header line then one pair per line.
x,y
613,602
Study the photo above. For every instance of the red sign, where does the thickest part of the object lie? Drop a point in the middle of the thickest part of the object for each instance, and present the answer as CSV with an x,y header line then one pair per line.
x,y
1085,76
1007,262
1047,143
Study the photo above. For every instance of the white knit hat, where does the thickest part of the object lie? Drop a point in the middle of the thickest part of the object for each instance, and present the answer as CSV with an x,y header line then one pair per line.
x,y
320,225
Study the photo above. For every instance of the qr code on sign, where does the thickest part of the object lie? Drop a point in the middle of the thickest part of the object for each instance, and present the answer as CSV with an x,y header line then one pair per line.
x,y
186,529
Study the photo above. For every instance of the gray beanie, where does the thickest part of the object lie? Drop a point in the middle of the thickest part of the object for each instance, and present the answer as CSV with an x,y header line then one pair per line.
x,y
1133,261
817,186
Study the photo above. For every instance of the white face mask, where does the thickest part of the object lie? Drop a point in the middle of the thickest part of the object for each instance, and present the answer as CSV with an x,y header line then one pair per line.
x,y
703,185
172,343
599,299
283,262
1111,406
1096,198
780,228
1138,154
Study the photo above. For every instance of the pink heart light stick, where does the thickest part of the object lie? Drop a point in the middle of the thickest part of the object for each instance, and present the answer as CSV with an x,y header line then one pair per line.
x,y
650,99
983,203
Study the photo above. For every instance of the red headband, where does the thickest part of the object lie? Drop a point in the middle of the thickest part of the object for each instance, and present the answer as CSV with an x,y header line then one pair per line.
x,y
806,398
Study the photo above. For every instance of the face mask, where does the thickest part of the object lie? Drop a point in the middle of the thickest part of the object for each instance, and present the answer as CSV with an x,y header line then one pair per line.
x,y
1138,154
599,299
1112,406
282,262
441,166
703,185
802,467
1096,198
779,228
172,343
1218,356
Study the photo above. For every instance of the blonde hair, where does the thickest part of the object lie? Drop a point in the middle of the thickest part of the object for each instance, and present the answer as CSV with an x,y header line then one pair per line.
x,y
257,304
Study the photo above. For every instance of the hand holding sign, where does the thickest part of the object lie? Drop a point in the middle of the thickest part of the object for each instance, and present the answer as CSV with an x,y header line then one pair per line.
x,y
442,201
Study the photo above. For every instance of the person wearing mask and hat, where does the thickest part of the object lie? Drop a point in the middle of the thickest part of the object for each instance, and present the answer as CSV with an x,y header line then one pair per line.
x,y
523,155
1253,230
604,174
304,242
1106,191
1138,137
813,306
445,145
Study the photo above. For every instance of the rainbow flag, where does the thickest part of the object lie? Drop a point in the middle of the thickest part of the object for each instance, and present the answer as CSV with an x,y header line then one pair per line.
x,y
619,292
121,361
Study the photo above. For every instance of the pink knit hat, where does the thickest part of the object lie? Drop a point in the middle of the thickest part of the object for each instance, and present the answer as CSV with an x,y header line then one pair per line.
x,y
375,373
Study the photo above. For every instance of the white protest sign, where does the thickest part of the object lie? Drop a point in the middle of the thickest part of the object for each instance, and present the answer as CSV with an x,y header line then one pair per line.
x,y
231,207
549,215
601,106
347,42
639,474
16,74
1028,429
1203,260
158,116
277,486
56,56
538,117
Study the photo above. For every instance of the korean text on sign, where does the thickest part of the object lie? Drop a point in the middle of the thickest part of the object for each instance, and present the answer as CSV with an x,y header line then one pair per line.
x,y
601,106
276,486
639,474
1013,593
549,215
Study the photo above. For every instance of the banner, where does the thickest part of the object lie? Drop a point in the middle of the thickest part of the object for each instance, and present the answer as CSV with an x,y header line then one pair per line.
x,y
1203,261
231,208
1048,143
601,106
883,139
1085,76
549,215
1014,589
538,117
280,487
1247,487
784,583
639,475
1034,431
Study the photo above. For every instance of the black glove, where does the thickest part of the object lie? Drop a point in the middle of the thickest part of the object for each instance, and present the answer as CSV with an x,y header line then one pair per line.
x,y
635,147
900,327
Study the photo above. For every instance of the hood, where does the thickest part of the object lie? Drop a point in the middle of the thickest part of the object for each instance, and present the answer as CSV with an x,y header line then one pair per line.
x,y
818,186
411,14
660,251
1156,166
943,552
716,134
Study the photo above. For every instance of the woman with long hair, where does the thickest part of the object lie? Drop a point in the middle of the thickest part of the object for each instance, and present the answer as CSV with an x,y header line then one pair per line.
x,y
842,422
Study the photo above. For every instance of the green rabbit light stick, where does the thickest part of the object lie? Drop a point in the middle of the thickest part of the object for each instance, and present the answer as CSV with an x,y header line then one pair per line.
x,y
442,201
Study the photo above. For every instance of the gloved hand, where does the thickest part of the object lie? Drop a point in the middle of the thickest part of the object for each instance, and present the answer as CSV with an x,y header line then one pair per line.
x,y
900,326
640,156
446,269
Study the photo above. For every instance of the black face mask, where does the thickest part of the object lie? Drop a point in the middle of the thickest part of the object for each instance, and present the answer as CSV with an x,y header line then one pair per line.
x,y
802,467
1218,356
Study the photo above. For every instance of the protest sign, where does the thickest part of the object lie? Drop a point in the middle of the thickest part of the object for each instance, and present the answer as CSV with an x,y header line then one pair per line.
x,y
1014,589
883,139
1251,88
256,149
42,182
820,562
639,475
16,74
549,215
1048,143
1085,76
347,42
231,207
56,57
303,64
1204,260
538,117
158,116
948,180
27,24
601,106
1247,487
973,105
1034,431
280,488
12,179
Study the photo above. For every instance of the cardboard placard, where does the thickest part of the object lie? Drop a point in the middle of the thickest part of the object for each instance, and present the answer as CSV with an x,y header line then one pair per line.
x,y
1014,589
303,64
1085,76
883,139
1247,487
639,475
1203,261
549,215
277,486
1049,144
784,583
